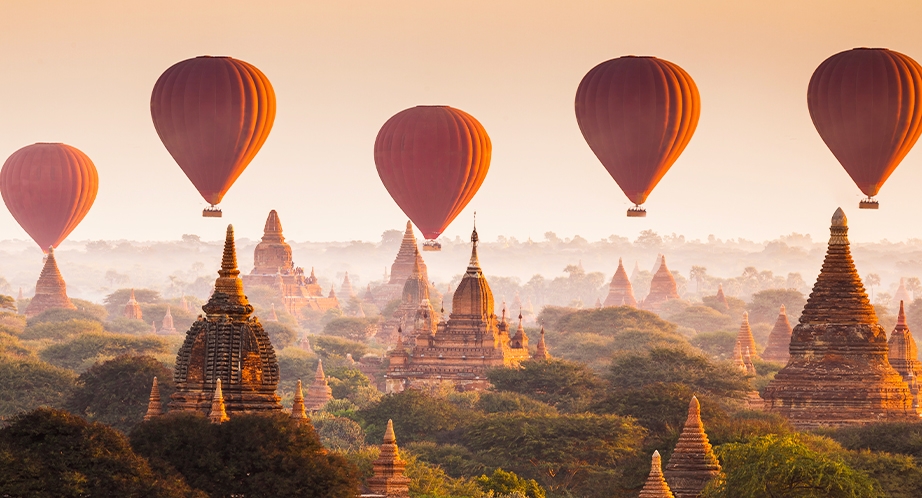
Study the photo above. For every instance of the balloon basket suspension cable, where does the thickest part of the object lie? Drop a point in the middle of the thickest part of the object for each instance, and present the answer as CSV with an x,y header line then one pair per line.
x,y
869,203
211,212
636,212
432,245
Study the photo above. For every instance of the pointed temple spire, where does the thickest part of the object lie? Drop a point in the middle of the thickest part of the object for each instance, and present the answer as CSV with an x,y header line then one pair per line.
x,y
902,293
747,362
656,486
132,308
167,326
692,464
389,479
272,255
154,408
218,414
273,317
319,392
744,337
620,290
838,373
297,405
407,256
50,290
738,361
779,339
904,356
541,352
473,267
346,288
228,297
662,287
153,326
721,298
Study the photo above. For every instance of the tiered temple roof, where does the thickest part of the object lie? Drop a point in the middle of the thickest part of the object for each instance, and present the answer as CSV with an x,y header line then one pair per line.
x,y
721,298
662,288
346,289
389,479
228,345
154,406
541,351
298,410
779,339
319,392
656,486
132,308
904,356
414,303
461,350
692,464
50,290
745,339
408,257
620,291
218,412
838,373
167,327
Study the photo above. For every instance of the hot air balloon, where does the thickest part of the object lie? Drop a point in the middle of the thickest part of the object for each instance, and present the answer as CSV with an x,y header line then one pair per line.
x,y
432,160
213,114
637,114
48,188
866,104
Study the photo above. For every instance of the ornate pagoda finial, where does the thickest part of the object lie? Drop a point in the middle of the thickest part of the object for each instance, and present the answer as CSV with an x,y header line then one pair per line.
x,y
297,405
389,437
154,408
218,414
228,297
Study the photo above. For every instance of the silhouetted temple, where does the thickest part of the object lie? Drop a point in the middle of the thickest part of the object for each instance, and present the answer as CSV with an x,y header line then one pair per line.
x,y
779,339
722,298
132,308
228,345
838,373
408,257
273,267
904,356
692,464
167,327
461,350
50,290
620,291
662,287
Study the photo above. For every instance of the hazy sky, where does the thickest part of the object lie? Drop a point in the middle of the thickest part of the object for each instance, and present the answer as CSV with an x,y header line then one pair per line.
x,y
82,72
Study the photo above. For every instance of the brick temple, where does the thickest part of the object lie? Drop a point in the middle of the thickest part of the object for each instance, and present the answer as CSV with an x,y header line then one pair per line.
x,y
620,291
50,290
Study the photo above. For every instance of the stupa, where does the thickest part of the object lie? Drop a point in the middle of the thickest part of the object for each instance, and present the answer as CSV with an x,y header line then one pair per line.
x,y
50,290
541,351
132,308
298,410
904,356
722,298
273,267
902,293
620,291
838,373
662,288
167,327
154,406
414,302
218,412
346,289
408,257
656,486
229,345
744,337
389,479
462,349
779,339
692,464
319,392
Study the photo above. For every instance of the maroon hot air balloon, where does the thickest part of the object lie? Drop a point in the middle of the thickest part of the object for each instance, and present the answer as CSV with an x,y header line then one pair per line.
x,y
432,160
213,114
48,188
637,114
866,104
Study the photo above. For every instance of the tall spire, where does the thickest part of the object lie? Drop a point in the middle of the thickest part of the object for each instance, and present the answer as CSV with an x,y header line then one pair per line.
x,y
620,290
50,290
218,414
779,339
721,298
132,308
389,479
744,337
656,486
541,352
297,405
228,283
154,408
473,267
319,392
273,229
904,356
692,464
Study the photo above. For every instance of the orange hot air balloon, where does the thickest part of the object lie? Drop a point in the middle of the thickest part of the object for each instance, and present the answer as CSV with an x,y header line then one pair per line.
x,y
637,114
213,114
866,104
432,160
48,188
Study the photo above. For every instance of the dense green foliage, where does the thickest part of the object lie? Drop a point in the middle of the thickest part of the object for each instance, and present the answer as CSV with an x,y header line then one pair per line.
x,y
61,315
352,328
115,302
280,335
26,384
330,346
60,330
633,371
569,387
507,483
611,320
83,351
416,415
764,306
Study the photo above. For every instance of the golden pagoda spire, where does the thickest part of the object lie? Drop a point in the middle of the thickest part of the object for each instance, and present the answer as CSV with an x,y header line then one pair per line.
x,y
541,352
154,408
228,281
297,405
218,414
656,486
692,463
473,267
389,478
745,338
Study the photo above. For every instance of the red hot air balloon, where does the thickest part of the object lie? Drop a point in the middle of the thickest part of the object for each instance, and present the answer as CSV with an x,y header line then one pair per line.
x,y
432,160
637,114
48,188
213,114
866,104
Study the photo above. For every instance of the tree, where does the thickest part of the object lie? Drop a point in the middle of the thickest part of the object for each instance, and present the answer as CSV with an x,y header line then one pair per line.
x,y
352,328
330,346
116,392
338,433
7,303
509,402
771,466
872,280
913,285
634,371
701,318
258,455
53,453
567,386
507,483
608,321
417,416
26,384
697,273
115,302
61,315
59,331
125,325
280,335
765,305
82,351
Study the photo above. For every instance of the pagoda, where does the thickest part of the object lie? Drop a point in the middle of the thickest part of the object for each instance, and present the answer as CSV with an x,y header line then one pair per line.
x,y
904,356
415,313
462,349
389,479
154,406
132,308
744,337
541,351
620,291
319,392
227,345
662,287
50,290
656,486
722,298
298,410
838,373
408,257
779,339
902,293
346,288
692,464
273,267
167,327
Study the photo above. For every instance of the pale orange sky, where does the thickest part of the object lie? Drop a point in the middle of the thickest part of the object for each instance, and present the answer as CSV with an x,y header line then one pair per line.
x,y
82,73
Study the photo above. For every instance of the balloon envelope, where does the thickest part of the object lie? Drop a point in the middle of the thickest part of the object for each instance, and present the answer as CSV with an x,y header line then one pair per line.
x,y
866,104
48,188
432,160
637,114
213,114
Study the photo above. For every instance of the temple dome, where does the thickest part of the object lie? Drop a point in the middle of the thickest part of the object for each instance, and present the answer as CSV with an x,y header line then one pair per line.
x,y
272,255
473,296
